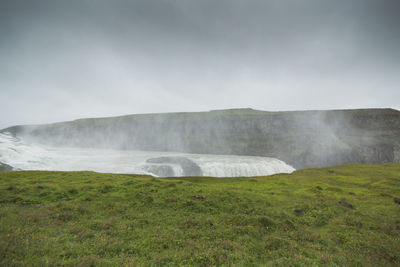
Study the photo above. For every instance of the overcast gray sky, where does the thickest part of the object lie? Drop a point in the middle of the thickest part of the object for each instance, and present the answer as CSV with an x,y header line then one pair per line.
x,y
62,60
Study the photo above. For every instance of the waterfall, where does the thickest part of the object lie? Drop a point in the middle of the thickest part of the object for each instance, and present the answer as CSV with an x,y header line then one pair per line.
x,y
28,156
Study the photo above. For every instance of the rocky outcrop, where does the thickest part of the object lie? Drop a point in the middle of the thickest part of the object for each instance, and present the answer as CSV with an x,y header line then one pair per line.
x,y
396,154
5,167
302,139
160,170
189,167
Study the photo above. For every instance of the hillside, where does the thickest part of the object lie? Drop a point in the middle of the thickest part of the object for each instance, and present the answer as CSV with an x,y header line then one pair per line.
x,y
300,138
336,216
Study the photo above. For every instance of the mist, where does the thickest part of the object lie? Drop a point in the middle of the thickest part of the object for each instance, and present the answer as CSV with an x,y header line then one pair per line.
x,y
301,139
63,60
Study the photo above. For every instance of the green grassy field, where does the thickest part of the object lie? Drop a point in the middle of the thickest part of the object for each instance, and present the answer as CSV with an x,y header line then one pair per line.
x,y
335,216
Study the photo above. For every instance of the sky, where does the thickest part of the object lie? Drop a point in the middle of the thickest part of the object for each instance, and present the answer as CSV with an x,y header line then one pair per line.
x,y
63,60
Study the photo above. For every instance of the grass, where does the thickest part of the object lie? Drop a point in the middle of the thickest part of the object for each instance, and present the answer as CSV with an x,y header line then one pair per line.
x,y
301,219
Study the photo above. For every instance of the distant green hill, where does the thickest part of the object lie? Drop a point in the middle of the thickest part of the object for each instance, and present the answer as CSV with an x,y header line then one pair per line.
x,y
335,216
301,138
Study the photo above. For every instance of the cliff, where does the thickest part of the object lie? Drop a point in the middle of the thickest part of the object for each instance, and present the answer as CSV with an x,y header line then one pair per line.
x,y
301,138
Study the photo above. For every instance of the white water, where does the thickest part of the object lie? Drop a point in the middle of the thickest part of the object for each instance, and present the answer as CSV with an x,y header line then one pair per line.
x,y
24,156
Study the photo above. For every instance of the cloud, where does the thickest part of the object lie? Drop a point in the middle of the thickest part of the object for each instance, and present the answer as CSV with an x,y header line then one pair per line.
x,y
63,60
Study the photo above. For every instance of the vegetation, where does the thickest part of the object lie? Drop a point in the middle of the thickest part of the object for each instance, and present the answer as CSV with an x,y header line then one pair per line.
x,y
335,216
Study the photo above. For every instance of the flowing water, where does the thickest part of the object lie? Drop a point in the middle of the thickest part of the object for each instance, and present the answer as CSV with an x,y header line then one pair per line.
x,y
27,156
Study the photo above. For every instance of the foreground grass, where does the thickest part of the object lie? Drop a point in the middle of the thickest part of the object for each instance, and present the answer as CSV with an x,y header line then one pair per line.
x,y
333,216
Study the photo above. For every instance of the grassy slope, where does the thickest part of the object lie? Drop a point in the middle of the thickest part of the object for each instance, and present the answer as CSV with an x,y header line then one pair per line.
x,y
72,218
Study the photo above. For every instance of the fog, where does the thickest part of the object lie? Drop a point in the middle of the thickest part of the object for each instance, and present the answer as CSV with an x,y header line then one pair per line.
x,y
22,155
301,139
63,60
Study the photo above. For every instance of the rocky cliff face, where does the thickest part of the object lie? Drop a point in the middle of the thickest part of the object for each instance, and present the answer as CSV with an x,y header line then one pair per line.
x,y
302,139
5,167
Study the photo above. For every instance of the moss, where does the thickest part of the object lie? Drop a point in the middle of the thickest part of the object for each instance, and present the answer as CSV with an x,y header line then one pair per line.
x,y
87,218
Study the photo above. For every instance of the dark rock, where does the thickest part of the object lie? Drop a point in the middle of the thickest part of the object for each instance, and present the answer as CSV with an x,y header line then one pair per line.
x,y
396,200
198,197
345,204
298,212
189,167
160,170
318,187
5,167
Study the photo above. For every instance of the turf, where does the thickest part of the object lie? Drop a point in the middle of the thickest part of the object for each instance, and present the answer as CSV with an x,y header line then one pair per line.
x,y
335,216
